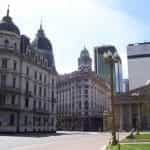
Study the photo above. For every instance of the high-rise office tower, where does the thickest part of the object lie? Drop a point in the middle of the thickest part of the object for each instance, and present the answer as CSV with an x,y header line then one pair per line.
x,y
103,69
138,64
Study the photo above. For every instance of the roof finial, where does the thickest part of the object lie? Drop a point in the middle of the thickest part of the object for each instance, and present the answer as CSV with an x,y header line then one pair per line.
x,y
8,10
41,24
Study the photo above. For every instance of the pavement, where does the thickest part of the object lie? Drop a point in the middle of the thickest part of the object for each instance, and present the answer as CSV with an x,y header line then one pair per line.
x,y
61,141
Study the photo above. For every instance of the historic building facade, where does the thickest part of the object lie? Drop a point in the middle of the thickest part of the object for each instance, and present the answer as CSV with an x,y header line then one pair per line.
x,y
132,110
82,97
27,81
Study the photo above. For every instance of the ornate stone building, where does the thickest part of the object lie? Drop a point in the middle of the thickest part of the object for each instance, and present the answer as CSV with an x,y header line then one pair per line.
x,y
82,97
27,81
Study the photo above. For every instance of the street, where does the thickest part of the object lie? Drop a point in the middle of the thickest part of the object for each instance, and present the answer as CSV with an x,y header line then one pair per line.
x,y
60,141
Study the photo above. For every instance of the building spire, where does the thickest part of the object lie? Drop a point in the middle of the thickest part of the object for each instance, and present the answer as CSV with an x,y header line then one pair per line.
x,y
8,11
41,23
41,31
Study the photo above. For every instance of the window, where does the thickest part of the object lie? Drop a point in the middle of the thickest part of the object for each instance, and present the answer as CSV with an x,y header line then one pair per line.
x,y
34,120
15,45
39,104
86,105
40,91
39,121
3,81
25,120
85,91
86,86
35,89
13,100
26,102
44,106
86,80
44,92
79,104
14,82
86,96
12,120
53,95
44,121
6,42
52,107
45,79
52,83
2,99
40,77
27,86
15,65
34,104
27,71
35,75
4,63
52,121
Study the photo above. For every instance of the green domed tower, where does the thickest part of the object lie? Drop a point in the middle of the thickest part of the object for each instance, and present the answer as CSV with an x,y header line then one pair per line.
x,y
84,61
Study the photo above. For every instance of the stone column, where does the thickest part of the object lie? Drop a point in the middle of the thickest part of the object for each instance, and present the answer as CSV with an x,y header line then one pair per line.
x,y
130,116
121,118
139,116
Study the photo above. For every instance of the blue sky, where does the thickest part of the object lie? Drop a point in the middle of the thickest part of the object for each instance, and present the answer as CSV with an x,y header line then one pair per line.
x,y
137,8
71,24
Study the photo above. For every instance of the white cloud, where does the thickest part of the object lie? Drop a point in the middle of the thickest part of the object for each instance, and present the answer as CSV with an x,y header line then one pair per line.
x,y
72,23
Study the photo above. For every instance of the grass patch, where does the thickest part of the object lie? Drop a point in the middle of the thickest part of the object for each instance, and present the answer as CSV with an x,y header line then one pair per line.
x,y
131,147
142,136
137,138
134,140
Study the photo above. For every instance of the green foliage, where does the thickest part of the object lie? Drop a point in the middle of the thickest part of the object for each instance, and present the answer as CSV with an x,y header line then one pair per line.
x,y
131,147
137,138
142,136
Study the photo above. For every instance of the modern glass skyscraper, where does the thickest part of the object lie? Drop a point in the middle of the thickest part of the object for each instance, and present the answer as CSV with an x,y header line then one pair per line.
x,y
103,69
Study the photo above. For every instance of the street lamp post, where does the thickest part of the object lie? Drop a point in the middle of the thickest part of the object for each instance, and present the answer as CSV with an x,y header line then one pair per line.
x,y
111,59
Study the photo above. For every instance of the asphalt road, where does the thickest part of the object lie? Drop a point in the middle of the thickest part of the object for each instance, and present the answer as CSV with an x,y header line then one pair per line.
x,y
60,141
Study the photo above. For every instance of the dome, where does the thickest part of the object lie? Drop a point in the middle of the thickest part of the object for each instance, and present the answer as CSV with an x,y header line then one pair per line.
x,y
84,61
84,53
7,24
42,44
41,41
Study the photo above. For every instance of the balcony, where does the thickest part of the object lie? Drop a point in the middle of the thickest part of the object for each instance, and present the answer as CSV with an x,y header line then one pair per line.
x,y
9,89
9,107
